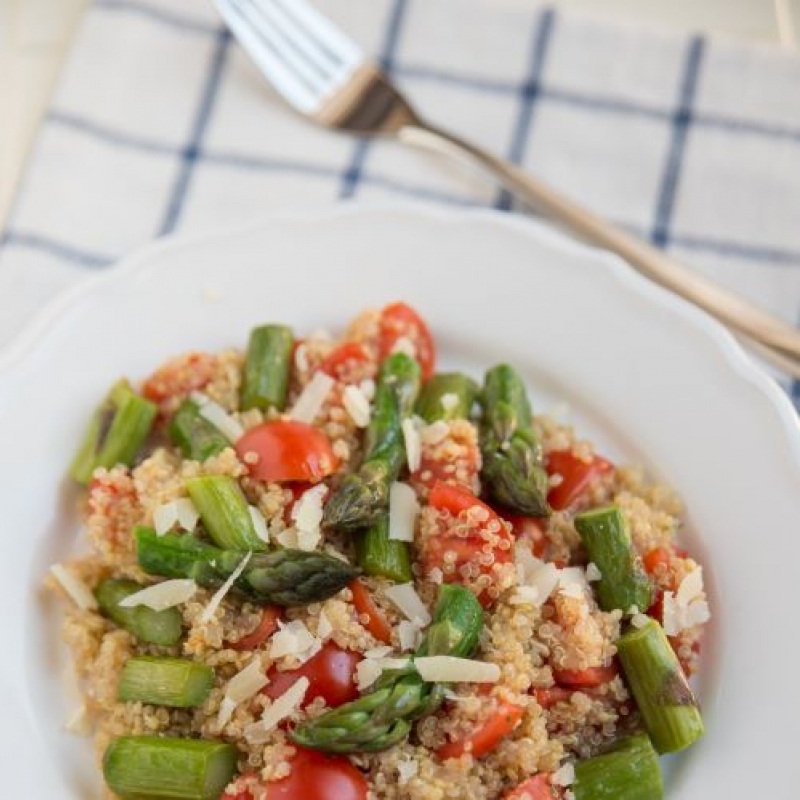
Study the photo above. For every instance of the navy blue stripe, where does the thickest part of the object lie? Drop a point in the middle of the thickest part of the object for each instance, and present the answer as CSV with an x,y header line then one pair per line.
x,y
744,126
750,252
665,204
352,172
191,153
179,21
62,250
528,95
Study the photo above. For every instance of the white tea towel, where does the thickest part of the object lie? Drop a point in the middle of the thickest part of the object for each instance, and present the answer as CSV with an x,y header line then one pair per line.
x,y
161,123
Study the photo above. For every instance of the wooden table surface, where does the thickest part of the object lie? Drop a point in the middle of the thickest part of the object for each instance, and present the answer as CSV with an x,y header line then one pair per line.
x,y
35,36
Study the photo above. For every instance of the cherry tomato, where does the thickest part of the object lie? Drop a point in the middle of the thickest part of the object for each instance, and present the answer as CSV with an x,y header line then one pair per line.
x,y
528,528
536,788
487,736
547,698
287,451
576,476
179,376
331,675
398,321
660,556
336,363
656,610
265,628
585,678
376,624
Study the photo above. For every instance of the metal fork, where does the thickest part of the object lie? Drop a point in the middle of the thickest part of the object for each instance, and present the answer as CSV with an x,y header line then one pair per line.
x,y
329,79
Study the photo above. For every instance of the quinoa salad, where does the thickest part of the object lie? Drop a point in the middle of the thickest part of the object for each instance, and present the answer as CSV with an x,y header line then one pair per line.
x,y
321,569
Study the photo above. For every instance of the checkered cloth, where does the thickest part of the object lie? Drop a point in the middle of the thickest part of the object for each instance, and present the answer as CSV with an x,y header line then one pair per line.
x,y
161,123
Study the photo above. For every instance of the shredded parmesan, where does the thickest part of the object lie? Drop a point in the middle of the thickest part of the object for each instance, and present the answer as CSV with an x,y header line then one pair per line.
x,y
537,579
307,517
639,620
259,523
367,672
409,632
564,775
214,413
449,401
324,627
403,510
301,357
181,512
406,770
312,398
413,444
687,607
593,573
572,582
77,590
282,707
219,595
405,597
367,387
294,639
241,687
356,405
449,669
381,651
161,596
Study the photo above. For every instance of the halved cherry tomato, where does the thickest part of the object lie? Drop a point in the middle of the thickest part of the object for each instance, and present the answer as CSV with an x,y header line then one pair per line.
x,y
336,363
487,736
454,499
659,556
376,623
576,476
179,376
530,528
331,676
548,697
265,628
287,451
536,788
399,320
314,776
585,678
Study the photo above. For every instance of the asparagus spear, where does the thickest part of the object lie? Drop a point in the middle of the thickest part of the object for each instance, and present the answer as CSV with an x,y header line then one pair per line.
x,y
377,554
223,508
629,771
197,438
283,577
363,496
513,466
265,381
116,432
147,625
151,766
623,581
173,682
383,717
446,396
663,695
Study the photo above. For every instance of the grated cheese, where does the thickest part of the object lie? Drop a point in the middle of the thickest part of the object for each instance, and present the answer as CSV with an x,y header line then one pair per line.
x,y
409,632
312,398
324,627
381,651
593,573
405,597
294,639
449,669
367,387
214,413
406,770
413,444
259,523
572,582
449,401
241,687
564,775
639,620
687,607
282,707
78,591
219,595
181,512
307,517
367,672
537,579
356,406
161,596
301,358
403,510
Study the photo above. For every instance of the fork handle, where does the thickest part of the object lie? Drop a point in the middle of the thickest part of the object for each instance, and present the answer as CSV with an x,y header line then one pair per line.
x,y
729,308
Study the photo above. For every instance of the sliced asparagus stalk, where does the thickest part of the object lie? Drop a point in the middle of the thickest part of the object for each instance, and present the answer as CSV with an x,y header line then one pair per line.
x,y
147,625
623,582
379,555
446,396
173,682
116,432
196,437
185,769
662,692
265,381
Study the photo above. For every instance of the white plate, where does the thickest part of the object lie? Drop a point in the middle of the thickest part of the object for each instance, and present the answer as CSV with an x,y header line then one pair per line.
x,y
651,379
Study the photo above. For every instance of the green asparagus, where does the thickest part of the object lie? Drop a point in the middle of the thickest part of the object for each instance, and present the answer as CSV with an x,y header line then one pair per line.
x,y
147,625
383,717
629,771
283,577
116,433
196,437
265,381
513,465
446,396
173,682
363,496
379,555
156,767
663,695
224,511
623,583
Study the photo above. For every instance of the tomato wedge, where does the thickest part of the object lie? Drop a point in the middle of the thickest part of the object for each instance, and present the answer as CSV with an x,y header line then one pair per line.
x,y
399,321
331,675
576,476
585,678
547,698
487,736
536,788
339,360
265,628
376,622
287,451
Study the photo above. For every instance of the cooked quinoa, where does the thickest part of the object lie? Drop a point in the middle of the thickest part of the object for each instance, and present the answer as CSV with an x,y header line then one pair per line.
x,y
559,681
